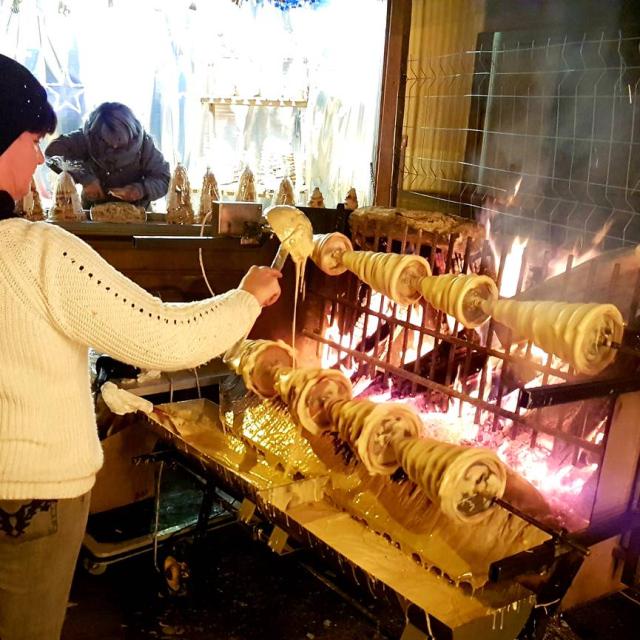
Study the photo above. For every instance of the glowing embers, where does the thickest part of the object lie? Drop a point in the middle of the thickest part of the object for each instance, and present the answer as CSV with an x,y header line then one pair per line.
x,y
558,482
538,457
453,419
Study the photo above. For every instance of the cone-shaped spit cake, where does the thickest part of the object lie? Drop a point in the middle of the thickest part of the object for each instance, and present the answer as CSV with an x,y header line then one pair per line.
x,y
468,298
395,276
316,201
257,361
67,204
309,393
208,195
266,368
580,334
462,480
285,193
246,191
369,428
405,278
328,249
179,208
30,207
351,200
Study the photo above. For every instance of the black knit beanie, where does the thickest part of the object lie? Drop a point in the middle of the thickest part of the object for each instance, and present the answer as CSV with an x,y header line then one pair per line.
x,y
23,104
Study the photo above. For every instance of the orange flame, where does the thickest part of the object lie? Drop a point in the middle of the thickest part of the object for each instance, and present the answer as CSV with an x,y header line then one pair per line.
x,y
512,267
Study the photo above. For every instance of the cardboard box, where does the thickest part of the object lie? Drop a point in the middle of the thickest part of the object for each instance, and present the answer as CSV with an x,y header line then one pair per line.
x,y
120,482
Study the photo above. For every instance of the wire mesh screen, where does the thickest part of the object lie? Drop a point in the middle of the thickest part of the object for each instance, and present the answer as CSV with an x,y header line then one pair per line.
x,y
542,135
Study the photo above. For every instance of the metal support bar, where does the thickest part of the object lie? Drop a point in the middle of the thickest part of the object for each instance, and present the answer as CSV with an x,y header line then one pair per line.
x,y
205,510
392,101
555,394
543,556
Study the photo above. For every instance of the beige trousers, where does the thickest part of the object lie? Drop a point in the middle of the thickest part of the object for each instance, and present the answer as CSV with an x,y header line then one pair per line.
x,y
39,545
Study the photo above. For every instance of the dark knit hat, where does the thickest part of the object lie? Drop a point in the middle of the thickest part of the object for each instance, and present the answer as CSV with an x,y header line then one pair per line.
x,y
23,104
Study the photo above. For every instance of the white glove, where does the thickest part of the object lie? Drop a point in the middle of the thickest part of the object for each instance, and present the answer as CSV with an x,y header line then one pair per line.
x,y
121,401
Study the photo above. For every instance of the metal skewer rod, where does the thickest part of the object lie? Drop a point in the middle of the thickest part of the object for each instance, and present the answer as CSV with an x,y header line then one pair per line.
x,y
622,348
560,536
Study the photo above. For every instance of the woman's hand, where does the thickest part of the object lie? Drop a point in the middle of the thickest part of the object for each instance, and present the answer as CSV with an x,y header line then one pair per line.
x,y
262,283
93,191
129,193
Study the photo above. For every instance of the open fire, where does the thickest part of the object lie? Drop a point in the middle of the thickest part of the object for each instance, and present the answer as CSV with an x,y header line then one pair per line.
x,y
467,415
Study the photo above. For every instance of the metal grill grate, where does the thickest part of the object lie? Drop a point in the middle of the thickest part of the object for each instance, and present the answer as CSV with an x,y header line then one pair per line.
x,y
465,356
543,135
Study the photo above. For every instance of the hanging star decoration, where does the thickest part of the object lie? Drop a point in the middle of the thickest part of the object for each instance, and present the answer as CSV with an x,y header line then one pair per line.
x,y
66,94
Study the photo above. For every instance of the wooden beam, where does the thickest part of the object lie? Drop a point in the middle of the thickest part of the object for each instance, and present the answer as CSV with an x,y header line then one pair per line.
x,y
394,78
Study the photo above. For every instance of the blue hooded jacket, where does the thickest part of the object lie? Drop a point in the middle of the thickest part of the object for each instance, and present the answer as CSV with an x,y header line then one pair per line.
x,y
114,149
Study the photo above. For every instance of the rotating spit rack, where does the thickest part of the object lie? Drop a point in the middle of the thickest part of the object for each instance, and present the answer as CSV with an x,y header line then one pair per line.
x,y
585,423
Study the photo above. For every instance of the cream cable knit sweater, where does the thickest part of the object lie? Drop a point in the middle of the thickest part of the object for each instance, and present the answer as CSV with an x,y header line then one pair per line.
x,y
57,297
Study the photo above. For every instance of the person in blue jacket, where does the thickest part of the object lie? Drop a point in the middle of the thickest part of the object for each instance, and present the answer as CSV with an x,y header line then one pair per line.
x,y
112,157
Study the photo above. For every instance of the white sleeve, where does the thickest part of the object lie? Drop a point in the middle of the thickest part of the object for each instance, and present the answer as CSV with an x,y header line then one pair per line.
x,y
94,304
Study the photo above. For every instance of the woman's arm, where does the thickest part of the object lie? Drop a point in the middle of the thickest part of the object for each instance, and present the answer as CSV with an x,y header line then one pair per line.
x,y
96,305
155,170
69,153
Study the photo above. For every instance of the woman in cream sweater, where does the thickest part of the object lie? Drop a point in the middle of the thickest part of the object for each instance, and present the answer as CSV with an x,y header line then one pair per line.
x,y
57,298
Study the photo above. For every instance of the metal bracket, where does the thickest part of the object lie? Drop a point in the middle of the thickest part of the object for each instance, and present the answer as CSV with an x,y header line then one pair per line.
x,y
278,541
246,511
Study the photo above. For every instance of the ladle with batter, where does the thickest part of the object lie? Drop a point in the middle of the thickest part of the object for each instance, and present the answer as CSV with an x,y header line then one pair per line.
x,y
295,232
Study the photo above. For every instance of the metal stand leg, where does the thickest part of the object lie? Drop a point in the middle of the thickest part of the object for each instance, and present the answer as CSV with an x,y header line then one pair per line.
x,y
198,552
550,596
205,511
